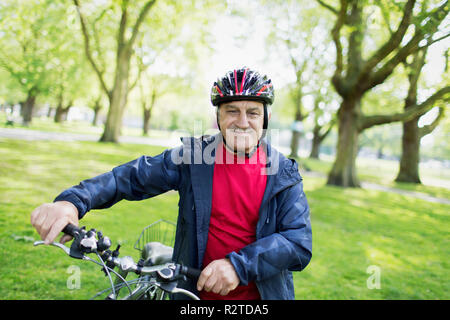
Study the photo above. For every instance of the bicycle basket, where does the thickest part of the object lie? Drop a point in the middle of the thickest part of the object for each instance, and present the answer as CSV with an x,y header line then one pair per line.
x,y
162,231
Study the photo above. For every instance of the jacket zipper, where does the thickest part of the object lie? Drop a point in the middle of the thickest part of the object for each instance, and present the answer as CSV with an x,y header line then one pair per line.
x,y
267,219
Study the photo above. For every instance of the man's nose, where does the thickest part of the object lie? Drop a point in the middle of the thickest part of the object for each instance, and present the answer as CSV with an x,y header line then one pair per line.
x,y
242,121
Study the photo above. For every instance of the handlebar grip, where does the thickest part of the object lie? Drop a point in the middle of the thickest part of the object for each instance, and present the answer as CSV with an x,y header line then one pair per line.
x,y
71,230
191,272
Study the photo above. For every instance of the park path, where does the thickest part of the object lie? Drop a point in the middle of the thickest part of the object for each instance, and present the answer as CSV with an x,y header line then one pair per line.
x,y
374,186
27,134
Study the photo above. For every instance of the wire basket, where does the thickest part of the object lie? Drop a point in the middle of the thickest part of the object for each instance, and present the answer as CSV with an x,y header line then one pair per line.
x,y
162,231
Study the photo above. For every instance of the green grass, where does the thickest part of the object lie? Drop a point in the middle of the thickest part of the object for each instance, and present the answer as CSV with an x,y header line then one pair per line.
x,y
435,181
353,229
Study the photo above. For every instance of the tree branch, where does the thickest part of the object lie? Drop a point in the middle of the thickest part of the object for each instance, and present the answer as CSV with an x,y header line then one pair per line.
x,y
336,33
412,111
327,6
434,20
429,43
427,129
385,14
328,130
394,41
139,21
97,41
87,49
355,39
8,68
141,68
122,26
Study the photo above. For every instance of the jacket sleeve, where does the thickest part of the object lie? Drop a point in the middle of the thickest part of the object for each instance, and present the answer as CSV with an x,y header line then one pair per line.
x,y
139,179
289,248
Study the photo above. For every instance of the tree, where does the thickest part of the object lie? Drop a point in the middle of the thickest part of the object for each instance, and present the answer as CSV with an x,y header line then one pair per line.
x,y
147,102
31,35
368,60
298,31
322,127
125,40
165,18
69,79
412,133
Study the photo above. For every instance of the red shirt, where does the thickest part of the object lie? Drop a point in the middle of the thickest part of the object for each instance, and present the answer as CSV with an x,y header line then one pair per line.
x,y
238,188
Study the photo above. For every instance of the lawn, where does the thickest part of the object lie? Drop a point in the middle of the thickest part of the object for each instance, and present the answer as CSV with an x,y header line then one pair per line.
x,y
436,181
354,230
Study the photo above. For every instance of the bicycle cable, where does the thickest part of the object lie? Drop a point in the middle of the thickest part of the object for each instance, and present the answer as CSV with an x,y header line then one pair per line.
x,y
110,269
107,272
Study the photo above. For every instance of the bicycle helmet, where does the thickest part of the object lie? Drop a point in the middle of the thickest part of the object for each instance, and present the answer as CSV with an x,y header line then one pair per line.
x,y
242,84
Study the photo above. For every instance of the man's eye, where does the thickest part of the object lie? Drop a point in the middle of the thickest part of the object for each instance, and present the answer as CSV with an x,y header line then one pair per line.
x,y
232,111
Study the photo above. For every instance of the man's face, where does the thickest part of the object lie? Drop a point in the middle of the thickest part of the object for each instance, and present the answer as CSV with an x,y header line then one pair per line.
x,y
241,123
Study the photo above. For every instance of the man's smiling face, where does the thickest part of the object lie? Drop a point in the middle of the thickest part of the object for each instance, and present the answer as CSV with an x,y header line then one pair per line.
x,y
241,123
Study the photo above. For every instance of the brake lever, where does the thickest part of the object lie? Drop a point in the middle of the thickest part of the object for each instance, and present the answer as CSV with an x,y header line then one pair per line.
x,y
55,244
171,287
70,252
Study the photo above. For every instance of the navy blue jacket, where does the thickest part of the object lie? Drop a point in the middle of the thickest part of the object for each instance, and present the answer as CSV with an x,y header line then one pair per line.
x,y
283,233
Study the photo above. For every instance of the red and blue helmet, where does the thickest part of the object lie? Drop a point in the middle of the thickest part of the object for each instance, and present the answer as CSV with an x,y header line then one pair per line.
x,y
242,84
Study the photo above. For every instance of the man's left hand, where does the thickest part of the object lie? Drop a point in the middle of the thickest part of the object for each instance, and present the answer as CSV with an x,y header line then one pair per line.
x,y
219,277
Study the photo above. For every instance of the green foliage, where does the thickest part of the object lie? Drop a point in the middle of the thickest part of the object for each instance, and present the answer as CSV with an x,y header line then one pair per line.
x,y
40,52
33,33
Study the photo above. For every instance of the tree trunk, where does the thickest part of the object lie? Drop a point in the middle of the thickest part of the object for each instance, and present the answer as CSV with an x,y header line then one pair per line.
x,y
61,111
148,111
409,161
296,132
343,172
58,118
96,113
380,153
97,108
49,112
147,115
318,138
61,114
294,143
316,141
118,99
28,108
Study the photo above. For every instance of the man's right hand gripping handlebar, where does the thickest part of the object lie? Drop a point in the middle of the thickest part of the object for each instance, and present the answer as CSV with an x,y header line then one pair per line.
x,y
49,219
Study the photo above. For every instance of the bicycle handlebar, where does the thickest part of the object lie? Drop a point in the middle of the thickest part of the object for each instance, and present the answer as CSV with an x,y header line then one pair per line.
x,y
127,263
163,275
192,273
71,230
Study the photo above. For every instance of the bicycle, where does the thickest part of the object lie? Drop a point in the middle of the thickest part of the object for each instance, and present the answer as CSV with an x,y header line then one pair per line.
x,y
158,276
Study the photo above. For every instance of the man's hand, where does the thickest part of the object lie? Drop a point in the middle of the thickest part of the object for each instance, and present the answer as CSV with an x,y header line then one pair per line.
x,y
50,219
219,277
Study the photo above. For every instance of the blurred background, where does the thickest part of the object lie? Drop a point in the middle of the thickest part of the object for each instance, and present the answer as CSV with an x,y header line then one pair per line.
x,y
362,90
